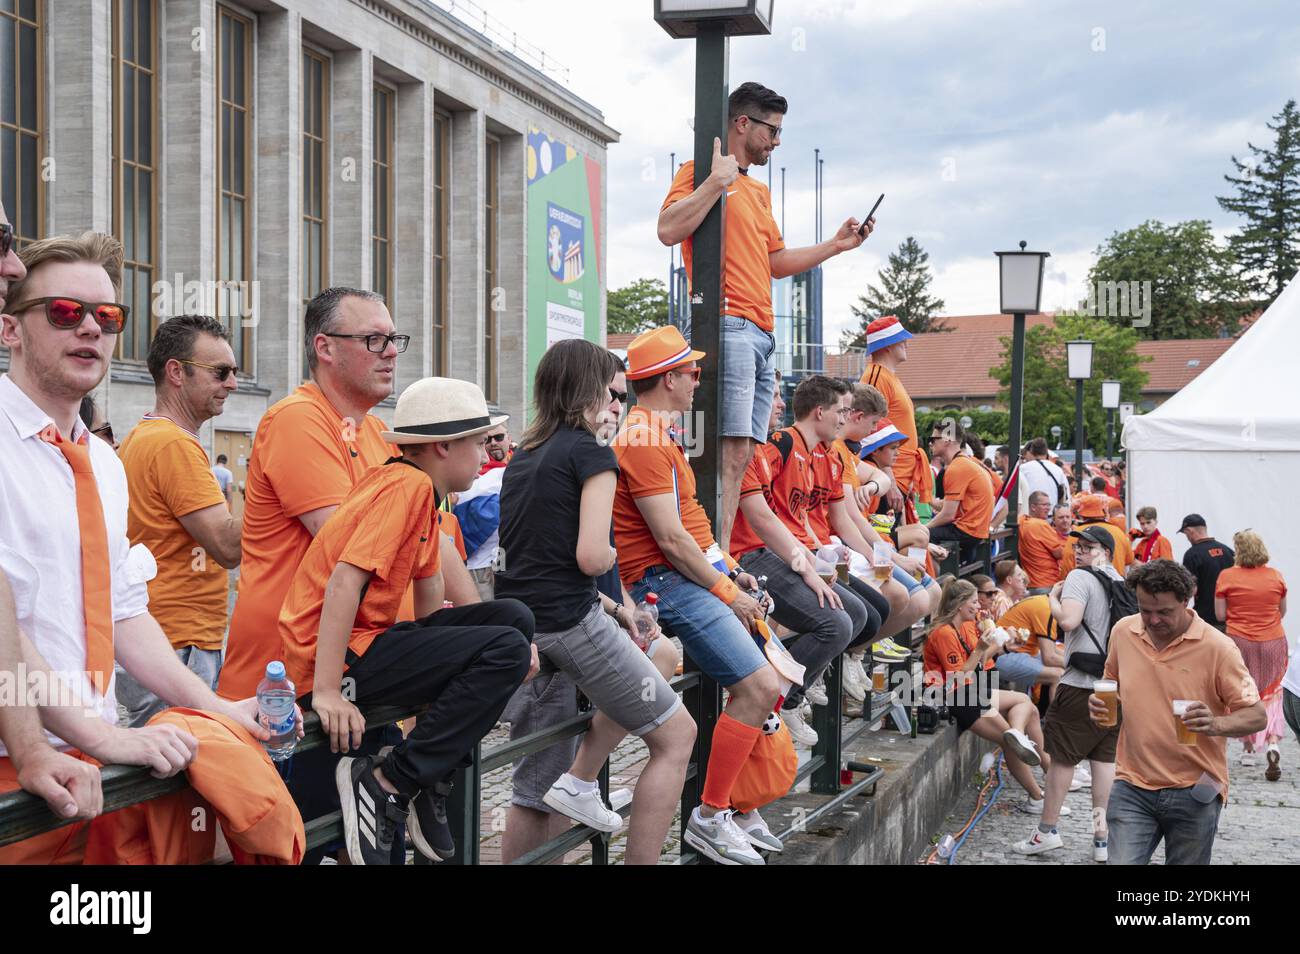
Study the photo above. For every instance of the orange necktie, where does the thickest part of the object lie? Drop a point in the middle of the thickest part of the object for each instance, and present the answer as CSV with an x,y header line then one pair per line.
x,y
96,583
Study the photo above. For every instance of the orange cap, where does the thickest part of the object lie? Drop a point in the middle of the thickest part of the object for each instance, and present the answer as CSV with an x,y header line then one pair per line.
x,y
656,351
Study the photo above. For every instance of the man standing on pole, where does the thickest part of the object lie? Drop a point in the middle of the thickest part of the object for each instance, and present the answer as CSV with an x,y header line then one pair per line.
x,y
755,255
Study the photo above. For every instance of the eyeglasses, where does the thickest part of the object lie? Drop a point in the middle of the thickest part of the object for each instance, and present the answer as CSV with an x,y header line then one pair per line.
x,y
105,431
383,341
619,396
6,238
222,371
776,130
987,592
68,313
693,374
496,438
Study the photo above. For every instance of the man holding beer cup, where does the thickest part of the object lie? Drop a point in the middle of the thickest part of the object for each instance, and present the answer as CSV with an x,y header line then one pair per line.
x,y
1172,770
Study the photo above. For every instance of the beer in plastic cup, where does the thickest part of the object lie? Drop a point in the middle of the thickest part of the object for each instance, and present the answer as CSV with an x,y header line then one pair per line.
x,y
882,559
1107,690
1185,735
878,679
917,554
842,572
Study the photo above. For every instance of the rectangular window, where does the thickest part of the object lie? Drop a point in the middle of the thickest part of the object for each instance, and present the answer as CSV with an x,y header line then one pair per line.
x,y
491,200
381,234
441,220
135,126
21,145
234,179
315,155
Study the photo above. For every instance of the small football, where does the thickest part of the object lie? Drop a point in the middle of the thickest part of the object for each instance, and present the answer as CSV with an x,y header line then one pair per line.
x,y
772,724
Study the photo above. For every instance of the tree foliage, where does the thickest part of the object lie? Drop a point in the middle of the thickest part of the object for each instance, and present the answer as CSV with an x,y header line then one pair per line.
x,y
637,307
904,291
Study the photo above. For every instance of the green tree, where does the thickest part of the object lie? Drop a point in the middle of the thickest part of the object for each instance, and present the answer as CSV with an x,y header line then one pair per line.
x,y
1114,358
1268,197
904,291
1194,290
637,307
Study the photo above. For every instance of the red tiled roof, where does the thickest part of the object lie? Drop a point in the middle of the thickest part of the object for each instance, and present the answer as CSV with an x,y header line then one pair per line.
x,y
618,342
1172,368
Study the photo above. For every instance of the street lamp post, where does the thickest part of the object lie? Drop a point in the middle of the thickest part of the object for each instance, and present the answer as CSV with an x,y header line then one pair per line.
x,y
1078,357
1110,401
710,25
1056,435
1020,280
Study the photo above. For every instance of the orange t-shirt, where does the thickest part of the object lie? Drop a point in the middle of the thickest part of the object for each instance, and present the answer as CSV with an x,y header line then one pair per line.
x,y
1162,550
1202,664
757,479
651,463
1033,613
945,652
967,482
1253,595
1037,540
305,456
1122,559
828,488
388,526
450,525
911,468
751,237
168,477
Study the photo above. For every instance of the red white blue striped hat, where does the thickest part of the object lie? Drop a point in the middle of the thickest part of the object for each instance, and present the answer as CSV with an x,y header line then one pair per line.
x,y
658,350
885,433
885,331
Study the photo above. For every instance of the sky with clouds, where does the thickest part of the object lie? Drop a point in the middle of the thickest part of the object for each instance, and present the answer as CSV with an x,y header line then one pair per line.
x,y
983,121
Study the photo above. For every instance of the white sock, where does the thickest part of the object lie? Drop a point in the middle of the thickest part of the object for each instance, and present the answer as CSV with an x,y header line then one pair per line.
x,y
577,784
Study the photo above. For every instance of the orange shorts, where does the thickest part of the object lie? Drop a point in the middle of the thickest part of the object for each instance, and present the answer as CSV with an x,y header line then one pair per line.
x,y
63,846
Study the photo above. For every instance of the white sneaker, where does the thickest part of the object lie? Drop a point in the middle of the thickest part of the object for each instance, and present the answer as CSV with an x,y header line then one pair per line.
x,y
805,709
618,797
720,839
1248,760
1037,843
1082,778
1100,853
1034,806
853,661
1021,745
800,731
756,830
855,683
816,693
582,806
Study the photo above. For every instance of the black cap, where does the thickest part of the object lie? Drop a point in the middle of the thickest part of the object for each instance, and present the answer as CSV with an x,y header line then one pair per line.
x,y
1098,535
1192,520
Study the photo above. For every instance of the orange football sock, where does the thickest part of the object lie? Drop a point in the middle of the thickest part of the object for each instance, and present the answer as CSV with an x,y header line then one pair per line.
x,y
732,743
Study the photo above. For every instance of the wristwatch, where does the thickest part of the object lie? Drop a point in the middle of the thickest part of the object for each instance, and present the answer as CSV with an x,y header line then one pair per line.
x,y
735,572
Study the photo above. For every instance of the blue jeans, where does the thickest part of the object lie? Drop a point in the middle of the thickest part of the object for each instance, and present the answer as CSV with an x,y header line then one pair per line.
x,y
748,379
1138,819
710,632
1019,670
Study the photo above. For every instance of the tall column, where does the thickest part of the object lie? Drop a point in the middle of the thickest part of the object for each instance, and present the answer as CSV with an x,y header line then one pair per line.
x,y
77,167
413,222
351,106
465,310
512,257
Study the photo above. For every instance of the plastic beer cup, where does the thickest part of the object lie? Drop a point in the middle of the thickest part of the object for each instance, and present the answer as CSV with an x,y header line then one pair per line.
x,y
1107,690
1185,735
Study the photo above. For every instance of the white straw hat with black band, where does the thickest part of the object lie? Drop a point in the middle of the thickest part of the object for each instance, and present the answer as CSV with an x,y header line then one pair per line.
x,y
441,409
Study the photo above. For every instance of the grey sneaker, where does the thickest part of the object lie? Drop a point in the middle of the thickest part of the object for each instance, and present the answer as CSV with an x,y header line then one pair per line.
x,y
585,807
756,830
720,839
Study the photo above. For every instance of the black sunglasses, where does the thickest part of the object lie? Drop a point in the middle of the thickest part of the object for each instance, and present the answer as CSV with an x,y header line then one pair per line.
x,y
776,130
495,438
6,239
398,341
619,396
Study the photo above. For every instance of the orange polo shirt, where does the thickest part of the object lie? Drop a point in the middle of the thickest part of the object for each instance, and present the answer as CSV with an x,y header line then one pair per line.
x,y
168,477
651,463
967,482
1253,595
1033,613
751,237
912,467
305,456
1036,541
1204,665
388,527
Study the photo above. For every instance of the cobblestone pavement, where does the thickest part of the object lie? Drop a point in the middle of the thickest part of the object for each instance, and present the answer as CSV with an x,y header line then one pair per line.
x,y
1259,825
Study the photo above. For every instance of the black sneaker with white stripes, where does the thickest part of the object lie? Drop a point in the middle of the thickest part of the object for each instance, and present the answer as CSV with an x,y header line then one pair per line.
x,y
370,814
427,824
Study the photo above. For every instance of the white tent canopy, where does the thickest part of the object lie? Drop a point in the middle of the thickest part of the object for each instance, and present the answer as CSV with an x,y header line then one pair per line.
x,y
1227,446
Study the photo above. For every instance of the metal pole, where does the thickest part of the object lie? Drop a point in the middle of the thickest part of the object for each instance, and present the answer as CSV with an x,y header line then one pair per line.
x,y
783,201
672,249
1110,431
821,186
1078,435
1017,407
817,197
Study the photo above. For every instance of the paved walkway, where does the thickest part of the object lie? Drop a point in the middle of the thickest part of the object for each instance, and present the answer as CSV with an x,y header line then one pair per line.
x,y
1259,825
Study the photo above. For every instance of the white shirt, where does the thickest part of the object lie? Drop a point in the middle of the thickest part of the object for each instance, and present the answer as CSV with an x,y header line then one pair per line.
x,y
40,543
1045,476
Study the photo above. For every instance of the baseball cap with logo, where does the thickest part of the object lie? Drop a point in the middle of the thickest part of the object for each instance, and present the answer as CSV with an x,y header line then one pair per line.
x,y
884,332
1096,535
656,351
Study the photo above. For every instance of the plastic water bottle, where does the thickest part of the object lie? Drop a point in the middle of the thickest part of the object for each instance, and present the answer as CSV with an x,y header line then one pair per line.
x,y
276,712
646,617
946,845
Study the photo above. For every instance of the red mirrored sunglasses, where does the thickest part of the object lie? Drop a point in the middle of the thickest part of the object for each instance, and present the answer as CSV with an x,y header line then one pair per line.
x,y
69,312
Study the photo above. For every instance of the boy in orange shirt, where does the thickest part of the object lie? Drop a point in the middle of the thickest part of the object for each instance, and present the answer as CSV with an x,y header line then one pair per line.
x,y
1149,543
339,616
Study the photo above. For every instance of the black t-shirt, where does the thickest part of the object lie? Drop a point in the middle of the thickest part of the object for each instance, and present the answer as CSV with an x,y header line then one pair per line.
x,y
1206,560
541,502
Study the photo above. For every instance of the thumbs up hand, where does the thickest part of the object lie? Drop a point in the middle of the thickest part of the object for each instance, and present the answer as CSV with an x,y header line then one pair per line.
x,y
725,168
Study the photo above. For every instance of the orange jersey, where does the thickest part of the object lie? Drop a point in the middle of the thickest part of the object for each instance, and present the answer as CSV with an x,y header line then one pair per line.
x,y
911,468
305,456
757,479
828,488
945,652
168,477
751,237
1122,559
449,524
388,527
967,482
1041,549
1145,549
651,463
1253,595
793,482
1033,613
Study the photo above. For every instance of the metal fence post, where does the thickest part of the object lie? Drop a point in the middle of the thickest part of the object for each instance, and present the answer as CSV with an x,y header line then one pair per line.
x,y
463,806
827,724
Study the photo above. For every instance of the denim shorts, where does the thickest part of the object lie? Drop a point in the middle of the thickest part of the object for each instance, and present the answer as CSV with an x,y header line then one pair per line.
x,y
909,581
546,701
1019,669
611,670
141,705
711,634
748,378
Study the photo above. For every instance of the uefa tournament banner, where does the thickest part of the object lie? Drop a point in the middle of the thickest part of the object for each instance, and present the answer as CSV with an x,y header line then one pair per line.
x,y
565,271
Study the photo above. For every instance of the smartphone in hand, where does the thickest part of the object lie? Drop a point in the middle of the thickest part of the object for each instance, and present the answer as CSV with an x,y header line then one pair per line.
x,y
863,227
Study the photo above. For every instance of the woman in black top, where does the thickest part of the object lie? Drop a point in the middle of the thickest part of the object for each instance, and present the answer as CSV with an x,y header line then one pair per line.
x,y
557,498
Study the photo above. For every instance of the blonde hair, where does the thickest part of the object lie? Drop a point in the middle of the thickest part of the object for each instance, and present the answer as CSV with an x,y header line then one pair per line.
x,y
1250,549
869,401
954,595
98,248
